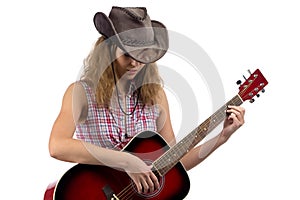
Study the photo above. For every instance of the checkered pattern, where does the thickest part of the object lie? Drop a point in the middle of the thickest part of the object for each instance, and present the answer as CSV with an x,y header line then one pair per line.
x,y
110,127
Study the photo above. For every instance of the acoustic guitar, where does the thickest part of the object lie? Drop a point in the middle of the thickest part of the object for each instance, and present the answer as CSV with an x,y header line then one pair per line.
x,y
95,182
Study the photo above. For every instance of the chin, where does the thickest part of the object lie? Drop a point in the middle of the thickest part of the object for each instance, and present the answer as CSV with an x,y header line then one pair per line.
x,y
130,76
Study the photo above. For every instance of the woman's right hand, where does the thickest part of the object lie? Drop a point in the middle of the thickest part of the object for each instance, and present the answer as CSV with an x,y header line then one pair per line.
x,y
141,174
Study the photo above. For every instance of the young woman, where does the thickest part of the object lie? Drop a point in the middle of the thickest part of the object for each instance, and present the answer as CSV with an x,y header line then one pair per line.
x,y
120,94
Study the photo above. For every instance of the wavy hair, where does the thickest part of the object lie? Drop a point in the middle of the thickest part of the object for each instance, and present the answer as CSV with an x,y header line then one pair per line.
x,y
98,73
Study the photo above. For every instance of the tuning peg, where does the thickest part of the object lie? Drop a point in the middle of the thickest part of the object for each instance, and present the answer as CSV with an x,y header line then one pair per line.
x,y
252,100
257,95
263,90
239,82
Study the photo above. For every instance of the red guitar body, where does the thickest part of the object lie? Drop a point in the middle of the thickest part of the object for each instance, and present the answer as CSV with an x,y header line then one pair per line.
x,y
91,182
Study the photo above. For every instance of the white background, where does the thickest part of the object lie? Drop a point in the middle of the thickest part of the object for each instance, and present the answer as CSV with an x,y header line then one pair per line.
x,y
43,44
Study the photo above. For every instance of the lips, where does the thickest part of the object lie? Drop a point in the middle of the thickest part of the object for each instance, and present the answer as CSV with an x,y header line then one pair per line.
x,y
132,71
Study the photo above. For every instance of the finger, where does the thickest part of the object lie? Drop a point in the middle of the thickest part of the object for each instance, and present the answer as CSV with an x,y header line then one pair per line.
x,y
154,181
237,108
236,113
150,183
233,116
138,186
145,186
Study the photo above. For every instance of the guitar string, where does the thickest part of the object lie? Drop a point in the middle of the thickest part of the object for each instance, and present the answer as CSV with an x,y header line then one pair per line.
x,y
127,191
130,195
124,191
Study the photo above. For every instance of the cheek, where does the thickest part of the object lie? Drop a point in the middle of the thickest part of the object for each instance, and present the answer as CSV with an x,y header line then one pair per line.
x,y
122,62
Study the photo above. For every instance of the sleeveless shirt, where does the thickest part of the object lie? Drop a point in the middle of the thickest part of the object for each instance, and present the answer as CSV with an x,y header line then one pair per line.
x,y
109,127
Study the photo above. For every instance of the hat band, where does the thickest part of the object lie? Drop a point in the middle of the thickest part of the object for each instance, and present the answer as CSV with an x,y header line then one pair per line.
x,y
137,43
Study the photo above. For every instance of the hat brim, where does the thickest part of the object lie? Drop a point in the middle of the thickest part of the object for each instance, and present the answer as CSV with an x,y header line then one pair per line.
x,y
141,53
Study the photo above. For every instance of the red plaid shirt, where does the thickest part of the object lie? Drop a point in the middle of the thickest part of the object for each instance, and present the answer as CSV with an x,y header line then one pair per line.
x,y
110,127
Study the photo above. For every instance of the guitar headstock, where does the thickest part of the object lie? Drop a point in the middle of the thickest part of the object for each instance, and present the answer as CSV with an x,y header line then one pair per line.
x,y
252,86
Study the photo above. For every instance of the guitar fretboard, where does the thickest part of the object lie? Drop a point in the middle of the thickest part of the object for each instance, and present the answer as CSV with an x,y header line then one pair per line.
x,y
169,159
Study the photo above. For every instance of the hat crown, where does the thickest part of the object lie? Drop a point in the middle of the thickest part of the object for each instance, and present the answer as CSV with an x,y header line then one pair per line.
x,y
135,20
138,13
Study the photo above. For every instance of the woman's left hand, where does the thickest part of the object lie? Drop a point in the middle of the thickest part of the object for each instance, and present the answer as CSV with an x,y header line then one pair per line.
x,y
234,120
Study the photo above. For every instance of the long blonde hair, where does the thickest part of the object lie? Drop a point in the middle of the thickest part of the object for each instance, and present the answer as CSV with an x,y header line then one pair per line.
x,y
99,75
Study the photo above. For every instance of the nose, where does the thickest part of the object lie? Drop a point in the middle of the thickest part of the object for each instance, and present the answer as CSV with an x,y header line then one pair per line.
x,y
135,63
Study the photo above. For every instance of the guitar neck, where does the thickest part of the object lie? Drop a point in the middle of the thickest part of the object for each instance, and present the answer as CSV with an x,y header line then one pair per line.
x,y
170,158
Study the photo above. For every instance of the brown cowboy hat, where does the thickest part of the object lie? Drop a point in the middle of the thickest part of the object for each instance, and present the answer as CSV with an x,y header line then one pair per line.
x,y
131,29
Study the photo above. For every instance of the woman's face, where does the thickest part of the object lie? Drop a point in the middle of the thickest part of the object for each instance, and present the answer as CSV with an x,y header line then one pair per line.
x,y
127,67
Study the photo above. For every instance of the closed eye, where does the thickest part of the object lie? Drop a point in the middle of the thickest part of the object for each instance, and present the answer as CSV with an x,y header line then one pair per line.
x,y
126,54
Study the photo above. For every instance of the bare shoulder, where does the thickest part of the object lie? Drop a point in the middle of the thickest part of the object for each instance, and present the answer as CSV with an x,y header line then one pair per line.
x,y
163,100
76,100
164,122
